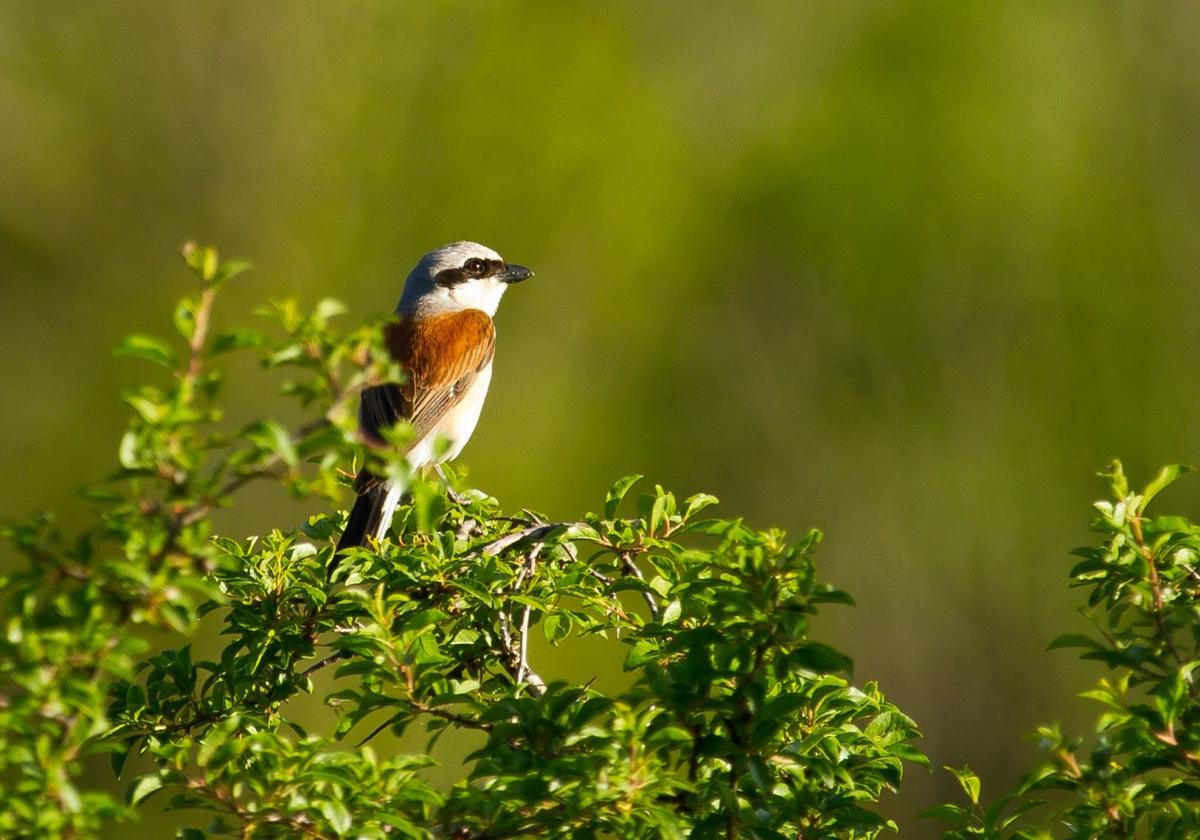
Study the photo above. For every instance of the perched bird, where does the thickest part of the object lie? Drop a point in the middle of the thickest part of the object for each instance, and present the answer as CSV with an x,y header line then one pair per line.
x,y
444,340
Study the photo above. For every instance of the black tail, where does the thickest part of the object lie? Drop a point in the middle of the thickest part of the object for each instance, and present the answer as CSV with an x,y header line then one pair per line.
x,y
364,519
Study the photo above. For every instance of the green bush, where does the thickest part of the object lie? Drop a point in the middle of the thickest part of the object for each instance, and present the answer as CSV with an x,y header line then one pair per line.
x,y
1140,775
731,720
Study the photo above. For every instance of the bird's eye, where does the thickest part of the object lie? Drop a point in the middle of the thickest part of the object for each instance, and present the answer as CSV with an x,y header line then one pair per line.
x,y
475,267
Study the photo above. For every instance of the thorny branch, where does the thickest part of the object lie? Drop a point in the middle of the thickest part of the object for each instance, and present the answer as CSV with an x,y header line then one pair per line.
x,y
523,670
425,708
539,531
632,568
536,532
515,655
514,642
336,656
1155,586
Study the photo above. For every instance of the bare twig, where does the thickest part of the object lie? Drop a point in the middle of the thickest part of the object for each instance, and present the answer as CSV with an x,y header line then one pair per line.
x,y
514,653
523,660
603,578
537,531
328,660
426,709
455,496
465,529
523,670
632,568
1155,587
505,634
202,317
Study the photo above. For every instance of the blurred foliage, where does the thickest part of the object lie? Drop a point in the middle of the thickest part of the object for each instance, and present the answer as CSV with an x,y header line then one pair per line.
x,y
735,723
1140,775
910,270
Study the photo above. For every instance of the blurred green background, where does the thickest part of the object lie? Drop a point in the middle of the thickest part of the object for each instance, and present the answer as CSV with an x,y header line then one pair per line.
x,y
909,272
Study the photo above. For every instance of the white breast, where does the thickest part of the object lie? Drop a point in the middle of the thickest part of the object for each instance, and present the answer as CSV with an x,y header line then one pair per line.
x,y
456,427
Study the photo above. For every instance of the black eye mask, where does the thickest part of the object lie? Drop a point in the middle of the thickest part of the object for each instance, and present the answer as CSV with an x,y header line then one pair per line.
x,y
453,276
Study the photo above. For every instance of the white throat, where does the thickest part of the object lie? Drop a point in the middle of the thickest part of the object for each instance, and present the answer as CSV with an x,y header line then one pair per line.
x,y
482,294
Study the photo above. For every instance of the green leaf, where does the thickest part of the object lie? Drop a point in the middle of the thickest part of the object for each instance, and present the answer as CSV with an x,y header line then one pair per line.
x,y
555,628
273,437
658,512
1166,476
617,493
1016,813
643,651
120,754
1070,640
235,340
948,812
129,451
829,595
228,269
694,504
337,814
891,726
821,658
143,787
908,752
201,259
185,317
968,781
672,612
327,308
147,347
1116,479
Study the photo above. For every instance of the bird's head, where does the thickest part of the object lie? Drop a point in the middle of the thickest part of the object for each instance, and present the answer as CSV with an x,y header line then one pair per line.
x,y
461,275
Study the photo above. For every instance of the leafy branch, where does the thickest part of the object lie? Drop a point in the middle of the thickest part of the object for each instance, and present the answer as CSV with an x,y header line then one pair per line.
x,y
732,720
1140,777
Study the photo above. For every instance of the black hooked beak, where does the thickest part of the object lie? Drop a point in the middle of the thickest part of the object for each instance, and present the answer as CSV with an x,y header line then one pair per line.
x,y
514,273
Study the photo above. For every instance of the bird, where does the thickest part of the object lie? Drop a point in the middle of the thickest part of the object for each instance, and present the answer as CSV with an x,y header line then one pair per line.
x,y
444,339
